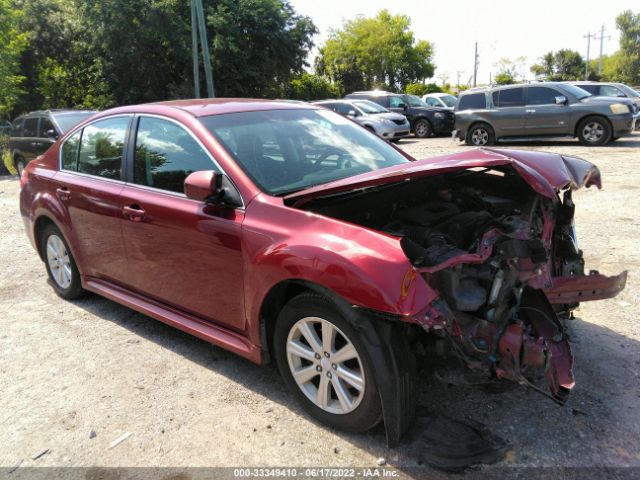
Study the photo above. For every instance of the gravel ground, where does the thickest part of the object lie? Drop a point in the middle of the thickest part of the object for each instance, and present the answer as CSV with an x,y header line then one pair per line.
x,y
76,376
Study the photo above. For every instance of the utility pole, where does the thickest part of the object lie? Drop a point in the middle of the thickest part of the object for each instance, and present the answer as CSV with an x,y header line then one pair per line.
x,y
198,26
458,73
602,37
588,36
475,65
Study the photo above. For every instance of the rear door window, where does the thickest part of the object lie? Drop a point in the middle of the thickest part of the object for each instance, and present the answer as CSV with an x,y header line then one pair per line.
x,y
30,127
542,96
511,97
102,147
16,127
472,101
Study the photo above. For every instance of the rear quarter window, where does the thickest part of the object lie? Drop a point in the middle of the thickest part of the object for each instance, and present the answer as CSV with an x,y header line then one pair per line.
x,y
472,101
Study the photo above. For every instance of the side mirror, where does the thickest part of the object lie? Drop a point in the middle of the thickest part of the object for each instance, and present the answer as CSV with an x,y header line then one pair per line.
x,y
402,105
204,186
51,134
561,100
352,113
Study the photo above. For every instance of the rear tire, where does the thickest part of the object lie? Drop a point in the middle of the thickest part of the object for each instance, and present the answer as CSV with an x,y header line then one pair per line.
x,y
311,339
480,135
422,128
20,165
594,131
60,264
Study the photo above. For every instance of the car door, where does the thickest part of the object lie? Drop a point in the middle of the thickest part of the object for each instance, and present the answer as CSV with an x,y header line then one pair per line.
x,y
29,142
508,116
180,251
88,186
543,115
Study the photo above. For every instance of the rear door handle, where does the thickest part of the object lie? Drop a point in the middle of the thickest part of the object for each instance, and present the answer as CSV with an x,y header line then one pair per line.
x,y
530,110
133,212
63,193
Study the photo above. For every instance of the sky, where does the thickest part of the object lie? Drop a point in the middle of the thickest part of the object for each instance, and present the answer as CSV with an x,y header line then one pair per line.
x,y
502,28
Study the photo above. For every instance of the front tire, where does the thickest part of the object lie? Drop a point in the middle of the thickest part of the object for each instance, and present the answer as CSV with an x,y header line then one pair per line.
x,y
326,365
594,131
60,264
480,135
422,128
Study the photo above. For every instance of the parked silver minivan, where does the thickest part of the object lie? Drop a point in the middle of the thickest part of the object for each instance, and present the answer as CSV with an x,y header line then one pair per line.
x,y
388,125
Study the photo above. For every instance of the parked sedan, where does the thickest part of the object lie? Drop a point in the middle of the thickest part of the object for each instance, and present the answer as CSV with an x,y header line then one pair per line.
x,y
382,122
442,100
285,231
32,134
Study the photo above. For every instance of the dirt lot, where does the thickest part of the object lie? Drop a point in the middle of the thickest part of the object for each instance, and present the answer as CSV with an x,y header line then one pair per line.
x,y
67,369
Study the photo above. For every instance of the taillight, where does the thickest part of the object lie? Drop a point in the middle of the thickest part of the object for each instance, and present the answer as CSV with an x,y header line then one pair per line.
x,y
24,178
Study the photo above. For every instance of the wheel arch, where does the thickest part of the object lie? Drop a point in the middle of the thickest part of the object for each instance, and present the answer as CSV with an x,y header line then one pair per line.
x,y
277,297
583,117
38,227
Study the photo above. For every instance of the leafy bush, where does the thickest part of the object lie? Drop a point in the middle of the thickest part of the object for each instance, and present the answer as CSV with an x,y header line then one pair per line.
x,y
421,89
6,157
312,87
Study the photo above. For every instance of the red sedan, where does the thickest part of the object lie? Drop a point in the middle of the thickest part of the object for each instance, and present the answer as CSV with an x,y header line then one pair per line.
x,y
282,230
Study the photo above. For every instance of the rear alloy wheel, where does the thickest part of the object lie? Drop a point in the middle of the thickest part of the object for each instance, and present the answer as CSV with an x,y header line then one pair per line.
x,y
594,131
60,264
480,135
326,365
422,128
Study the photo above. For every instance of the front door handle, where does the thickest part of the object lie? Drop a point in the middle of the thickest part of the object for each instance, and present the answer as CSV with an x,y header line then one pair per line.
x,y
530,110
133,212
63,193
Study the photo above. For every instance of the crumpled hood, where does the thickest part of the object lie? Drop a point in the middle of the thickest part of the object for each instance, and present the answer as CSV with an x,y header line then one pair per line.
x,y
545,172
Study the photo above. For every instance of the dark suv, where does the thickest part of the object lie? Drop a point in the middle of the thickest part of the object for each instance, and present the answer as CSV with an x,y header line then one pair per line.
x,y
32,134
548,109
424,119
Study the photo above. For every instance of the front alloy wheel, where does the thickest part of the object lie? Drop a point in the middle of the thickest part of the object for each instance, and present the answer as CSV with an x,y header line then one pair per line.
x,y
326,364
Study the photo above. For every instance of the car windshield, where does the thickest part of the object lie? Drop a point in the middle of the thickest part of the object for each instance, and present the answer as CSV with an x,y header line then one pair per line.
x,y
577,92
414,101
448,100
628,90
67,121
284,151
369,107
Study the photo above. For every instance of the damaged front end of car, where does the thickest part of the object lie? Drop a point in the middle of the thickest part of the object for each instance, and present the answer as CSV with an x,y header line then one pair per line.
x,y
492,233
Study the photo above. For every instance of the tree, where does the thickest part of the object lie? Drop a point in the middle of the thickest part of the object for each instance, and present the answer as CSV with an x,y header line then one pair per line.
x,y
12,42
629,63
257,46
373,52
309,87
421,89
565,64
509,71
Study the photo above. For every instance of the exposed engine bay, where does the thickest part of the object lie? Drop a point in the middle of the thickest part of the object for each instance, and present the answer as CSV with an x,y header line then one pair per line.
x,y
503,258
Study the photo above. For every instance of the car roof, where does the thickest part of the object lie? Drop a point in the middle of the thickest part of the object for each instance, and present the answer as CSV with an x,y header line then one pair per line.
x,y
437,94
203,107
